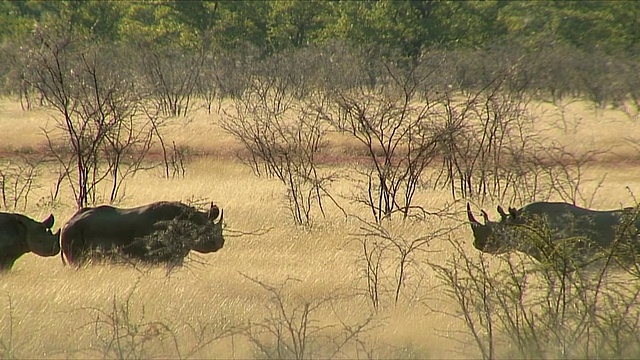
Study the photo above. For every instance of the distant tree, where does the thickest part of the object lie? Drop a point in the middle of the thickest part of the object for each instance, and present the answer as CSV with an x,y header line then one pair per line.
x,y
240,24
273,26
276,120
296,23
12,21
397,124
609,25
106,124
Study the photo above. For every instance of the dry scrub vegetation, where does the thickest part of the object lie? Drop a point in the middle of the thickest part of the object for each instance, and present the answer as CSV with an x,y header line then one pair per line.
x,y
277,290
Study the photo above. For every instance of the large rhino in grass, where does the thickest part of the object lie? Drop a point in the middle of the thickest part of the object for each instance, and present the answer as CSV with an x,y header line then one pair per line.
x,y
20,234
545,230
158,232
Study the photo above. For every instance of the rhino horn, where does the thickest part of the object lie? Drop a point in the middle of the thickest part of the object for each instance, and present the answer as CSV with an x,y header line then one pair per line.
x,y
48,222
502,213
470,216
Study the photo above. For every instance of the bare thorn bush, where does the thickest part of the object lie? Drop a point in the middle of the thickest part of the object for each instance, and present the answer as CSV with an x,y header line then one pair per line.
x,y
292,329
283,136
395,123
171,75
387,262
563,306
106,124
565,174
17,179
489,137
123,331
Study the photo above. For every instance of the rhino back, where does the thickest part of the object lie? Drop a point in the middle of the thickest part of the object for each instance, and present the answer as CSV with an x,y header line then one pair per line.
x,y
571,220
122,225
559,208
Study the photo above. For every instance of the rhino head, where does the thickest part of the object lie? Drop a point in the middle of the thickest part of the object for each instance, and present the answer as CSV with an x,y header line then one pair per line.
x,y
494,237
39,237
210,237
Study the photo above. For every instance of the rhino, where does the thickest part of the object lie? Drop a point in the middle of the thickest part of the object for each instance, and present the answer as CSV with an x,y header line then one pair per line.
x,y
156,232
539,229
20,234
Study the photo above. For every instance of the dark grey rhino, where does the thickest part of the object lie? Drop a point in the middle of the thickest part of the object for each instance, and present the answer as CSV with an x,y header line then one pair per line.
x,y
133,232
538,229
20,234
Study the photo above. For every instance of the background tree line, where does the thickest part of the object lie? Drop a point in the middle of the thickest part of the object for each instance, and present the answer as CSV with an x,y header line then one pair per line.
x,y
115,72
273,26
585,49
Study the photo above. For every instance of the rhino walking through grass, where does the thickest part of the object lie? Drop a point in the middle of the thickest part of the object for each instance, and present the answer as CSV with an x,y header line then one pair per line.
x,y
158,232
551,230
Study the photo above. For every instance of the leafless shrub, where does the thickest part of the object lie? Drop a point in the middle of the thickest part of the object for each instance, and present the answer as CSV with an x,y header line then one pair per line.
x,y
172,75
471,70
399,133
514,307
568,124
102,114
374,253
283,135
123,331
224,75
16,182
123,335
291,329
565,174
13,72
489,135
492,151
355,66
174,159
388,261
179,159
207,87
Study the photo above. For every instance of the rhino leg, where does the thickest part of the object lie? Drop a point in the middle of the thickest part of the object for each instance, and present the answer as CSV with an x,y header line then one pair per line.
x,y
6,264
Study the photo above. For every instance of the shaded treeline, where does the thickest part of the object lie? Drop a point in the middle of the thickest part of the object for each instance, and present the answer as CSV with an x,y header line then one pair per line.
x,y
586,49
273,26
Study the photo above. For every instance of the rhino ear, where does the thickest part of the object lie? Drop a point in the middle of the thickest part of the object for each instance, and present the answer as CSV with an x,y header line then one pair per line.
x,y
513,212
48,222
503,215
472,219
214,211
485,217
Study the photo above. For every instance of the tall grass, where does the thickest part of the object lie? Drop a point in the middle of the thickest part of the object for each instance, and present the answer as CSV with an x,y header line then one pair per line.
x,y
203,309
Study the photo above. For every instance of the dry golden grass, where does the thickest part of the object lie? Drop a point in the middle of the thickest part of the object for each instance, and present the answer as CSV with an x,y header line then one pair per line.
x,y
55,307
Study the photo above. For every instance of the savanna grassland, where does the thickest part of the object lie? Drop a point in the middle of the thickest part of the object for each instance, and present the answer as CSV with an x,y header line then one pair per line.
x,y
238,302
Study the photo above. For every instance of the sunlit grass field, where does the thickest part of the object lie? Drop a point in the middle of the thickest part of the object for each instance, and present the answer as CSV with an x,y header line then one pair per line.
x,y
52,311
